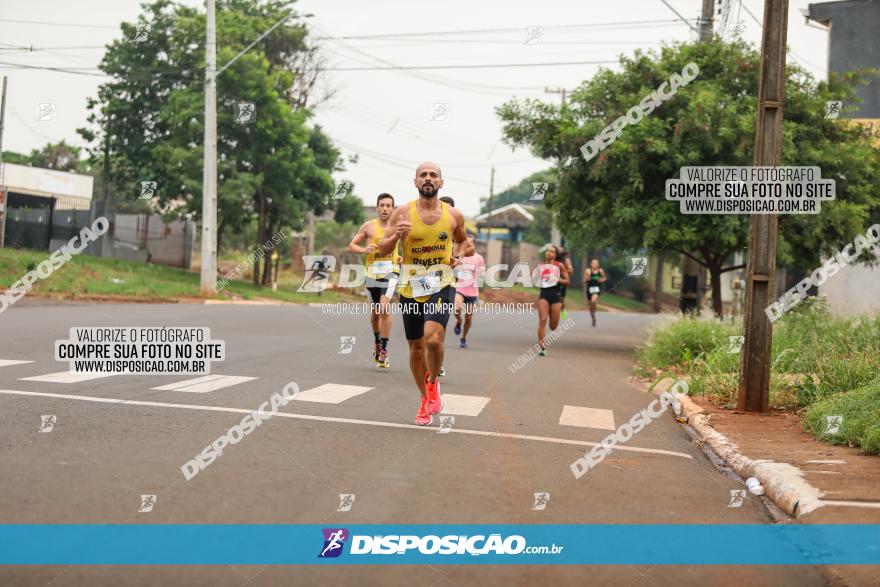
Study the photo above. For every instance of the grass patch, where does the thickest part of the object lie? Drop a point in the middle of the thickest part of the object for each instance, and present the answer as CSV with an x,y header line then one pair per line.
x,y
88,275
859,413
575,300
816,359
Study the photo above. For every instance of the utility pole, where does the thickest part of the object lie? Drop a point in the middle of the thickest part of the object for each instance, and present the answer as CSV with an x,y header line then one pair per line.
x,y
209,174
754,381
557,91
555,236
310,238
706,21
105,180
491,194
2,175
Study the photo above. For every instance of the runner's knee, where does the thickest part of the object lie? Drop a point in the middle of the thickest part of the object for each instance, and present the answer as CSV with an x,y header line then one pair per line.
x,y
417,348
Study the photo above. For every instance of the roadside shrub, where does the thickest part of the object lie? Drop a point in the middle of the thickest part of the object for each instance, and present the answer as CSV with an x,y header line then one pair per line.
x,y
679,342
860,413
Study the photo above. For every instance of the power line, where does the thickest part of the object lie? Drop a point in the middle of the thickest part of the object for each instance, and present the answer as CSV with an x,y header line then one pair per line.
x,y
508,42
378,156
470,66
678,14
797,58
71,70
65,24
499,30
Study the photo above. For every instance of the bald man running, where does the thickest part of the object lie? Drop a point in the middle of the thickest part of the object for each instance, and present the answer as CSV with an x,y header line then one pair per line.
x,y
434,240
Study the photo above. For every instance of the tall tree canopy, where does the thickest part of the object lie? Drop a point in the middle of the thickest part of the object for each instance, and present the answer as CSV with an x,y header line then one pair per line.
x,y
150,115
617,198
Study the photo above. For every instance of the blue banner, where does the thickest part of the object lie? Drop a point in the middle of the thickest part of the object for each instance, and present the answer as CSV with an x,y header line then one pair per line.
x,y
603,544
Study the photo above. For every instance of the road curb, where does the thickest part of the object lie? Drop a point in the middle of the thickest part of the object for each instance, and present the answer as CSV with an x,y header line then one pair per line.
x,y
783,483
212,302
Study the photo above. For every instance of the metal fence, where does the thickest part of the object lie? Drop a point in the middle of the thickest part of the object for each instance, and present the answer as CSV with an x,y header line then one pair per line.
x,y
166,243
42,223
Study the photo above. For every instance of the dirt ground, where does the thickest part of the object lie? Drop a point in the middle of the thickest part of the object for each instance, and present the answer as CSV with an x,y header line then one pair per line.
x,y
779,436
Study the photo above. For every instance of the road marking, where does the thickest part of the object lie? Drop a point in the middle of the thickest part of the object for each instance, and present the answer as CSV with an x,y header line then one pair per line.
x,y
205,384
587,417
827,462
857,504
433,429
67,377
9,362
463,405
330,393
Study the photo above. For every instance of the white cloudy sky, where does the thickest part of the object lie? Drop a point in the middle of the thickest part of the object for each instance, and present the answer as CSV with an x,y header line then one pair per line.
x,y
385,115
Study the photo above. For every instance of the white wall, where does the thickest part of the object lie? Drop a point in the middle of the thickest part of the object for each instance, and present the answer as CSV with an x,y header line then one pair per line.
x,y
853,290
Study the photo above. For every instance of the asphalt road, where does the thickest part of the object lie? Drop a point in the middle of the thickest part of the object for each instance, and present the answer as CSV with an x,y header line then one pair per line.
x,y
506,444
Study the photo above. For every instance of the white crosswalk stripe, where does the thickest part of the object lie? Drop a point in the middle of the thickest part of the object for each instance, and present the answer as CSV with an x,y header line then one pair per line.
x,y
10,362
67,377
463,405
205,384
330,393
587,417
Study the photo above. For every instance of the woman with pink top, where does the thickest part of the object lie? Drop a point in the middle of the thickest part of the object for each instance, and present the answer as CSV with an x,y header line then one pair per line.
x,y
469,274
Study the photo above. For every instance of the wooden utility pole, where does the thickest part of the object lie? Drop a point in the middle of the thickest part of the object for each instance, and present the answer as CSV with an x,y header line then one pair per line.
x,y
706,21
555,236
491,194
557,91
2,176
754,382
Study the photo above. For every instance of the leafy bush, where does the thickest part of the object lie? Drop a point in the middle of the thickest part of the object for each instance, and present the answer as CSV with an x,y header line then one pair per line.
x,y
815,355
678,343
859,410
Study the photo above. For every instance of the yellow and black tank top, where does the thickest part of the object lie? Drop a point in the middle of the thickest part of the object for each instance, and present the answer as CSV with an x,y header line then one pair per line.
x,y
380,266
427,247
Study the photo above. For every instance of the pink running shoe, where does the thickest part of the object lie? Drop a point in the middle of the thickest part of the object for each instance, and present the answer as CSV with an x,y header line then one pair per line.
x,y
435,400
423,418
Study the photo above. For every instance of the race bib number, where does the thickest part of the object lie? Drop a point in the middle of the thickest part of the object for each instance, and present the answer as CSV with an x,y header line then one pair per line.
x,y
548,276
381,267
424,285
594,289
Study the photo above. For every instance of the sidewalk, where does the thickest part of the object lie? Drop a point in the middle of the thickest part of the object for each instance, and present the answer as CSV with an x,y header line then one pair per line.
x,y
814,482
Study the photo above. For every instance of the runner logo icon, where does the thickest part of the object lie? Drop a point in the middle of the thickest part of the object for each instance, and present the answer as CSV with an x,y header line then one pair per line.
x,y
334,540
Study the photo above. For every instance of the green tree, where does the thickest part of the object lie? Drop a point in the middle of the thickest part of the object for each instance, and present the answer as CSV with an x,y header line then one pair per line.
x,y
349,209
271,169
59,156
539,231
617,198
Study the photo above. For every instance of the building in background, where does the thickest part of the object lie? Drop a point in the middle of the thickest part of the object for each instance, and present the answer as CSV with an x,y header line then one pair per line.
x,y
853,43
45,208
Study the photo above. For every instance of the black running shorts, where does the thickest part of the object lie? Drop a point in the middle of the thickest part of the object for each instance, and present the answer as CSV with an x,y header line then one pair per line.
x,y
551,294
437,308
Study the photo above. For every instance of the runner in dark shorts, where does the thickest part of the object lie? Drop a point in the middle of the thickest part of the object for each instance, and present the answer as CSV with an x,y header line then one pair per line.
x,y
594,277
551,275
382,273
564,258
433,240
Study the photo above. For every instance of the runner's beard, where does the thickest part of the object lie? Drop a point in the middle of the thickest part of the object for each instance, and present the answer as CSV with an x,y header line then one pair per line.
x,y
432,194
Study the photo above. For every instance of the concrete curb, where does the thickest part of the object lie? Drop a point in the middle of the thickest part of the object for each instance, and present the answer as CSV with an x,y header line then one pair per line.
x,y
212,302
783,483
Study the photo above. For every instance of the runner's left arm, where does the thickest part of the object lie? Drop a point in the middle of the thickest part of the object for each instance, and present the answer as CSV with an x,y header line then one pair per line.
x,y
463,247
563,275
